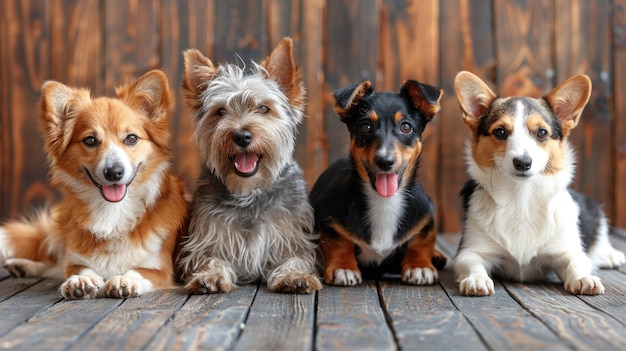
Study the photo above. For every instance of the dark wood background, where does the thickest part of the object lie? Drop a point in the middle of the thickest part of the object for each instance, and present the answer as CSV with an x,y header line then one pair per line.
x,y
521,47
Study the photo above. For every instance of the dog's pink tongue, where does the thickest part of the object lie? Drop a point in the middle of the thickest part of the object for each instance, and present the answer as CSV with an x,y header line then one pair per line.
x,y
386,184
245,162
114,193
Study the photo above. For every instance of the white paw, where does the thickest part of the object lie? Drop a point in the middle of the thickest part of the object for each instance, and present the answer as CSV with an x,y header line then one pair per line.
x,y
589,285
209,282
346,277
120,287
616,258
476,285
420,276
81,286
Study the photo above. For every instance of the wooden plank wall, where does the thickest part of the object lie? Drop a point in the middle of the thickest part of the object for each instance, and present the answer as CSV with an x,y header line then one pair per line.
x,y
520,47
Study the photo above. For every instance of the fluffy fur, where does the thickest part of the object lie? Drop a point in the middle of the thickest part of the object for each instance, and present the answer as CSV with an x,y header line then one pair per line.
x,y
114,232
250,218
522,221
370,210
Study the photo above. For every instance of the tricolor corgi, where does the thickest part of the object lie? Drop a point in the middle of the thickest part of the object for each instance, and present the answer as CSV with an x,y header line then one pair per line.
x,y
522,221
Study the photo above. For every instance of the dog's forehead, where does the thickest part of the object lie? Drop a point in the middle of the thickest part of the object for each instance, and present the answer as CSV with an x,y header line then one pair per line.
x,y
387,104
517,108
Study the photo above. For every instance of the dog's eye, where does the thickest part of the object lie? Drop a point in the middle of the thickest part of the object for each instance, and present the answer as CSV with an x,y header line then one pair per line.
x,y
500,133
366,128
406,128
264,109
131,139
90,141
221,111
542,134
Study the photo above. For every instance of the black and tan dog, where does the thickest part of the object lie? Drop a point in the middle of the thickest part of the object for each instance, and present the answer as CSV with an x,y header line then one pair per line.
x,y
372,214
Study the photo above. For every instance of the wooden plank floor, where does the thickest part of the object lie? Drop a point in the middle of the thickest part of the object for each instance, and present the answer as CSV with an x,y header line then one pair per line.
x,y
378,315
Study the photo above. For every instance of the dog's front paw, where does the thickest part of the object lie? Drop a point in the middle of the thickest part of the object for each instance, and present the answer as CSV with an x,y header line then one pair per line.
x,y
476,285
343,277
420,276
15,268
589,285
81,287
209,283
121,287
296,282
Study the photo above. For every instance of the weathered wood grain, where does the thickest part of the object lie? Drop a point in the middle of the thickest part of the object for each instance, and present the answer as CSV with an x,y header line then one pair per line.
x,y
619,127
140,323
424,317
279,322
466,44
351,318
58,327
23,306
131,42
523,47
589,51
11,286
576,323
239,31
25,52
613,301
207,322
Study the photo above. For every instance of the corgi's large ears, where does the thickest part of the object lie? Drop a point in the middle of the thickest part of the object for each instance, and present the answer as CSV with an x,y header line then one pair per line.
x,y
281,67
150,94
198,71
58,107
348,97
474,97
425,98
569,99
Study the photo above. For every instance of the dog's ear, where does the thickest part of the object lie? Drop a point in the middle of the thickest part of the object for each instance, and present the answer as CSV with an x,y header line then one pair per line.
x,y
423,97
150,94
348,97
569,99
198,71
474,97
58,108
281,67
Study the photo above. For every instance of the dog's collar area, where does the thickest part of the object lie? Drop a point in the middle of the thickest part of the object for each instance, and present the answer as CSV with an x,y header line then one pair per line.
x,y
112,192
246,163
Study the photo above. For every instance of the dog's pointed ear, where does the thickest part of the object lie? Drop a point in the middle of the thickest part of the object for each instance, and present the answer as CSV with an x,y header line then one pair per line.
x,y
423,97
348,97
149,94
281,67
474,97
58,108
569,99
198,71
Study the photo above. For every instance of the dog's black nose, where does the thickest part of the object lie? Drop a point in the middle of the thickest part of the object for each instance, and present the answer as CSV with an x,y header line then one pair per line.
x,y
114,172
242,138
523,163
385,163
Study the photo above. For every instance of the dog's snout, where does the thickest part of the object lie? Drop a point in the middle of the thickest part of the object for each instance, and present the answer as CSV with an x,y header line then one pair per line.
x,y
114,173
385,163
522,163
242,138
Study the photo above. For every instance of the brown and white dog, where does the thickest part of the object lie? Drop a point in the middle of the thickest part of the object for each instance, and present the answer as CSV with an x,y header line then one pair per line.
x,y
522,221
114,231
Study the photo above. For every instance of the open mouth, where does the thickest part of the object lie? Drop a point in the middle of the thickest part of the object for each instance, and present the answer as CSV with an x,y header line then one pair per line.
x,y
112,192
246,163
385,184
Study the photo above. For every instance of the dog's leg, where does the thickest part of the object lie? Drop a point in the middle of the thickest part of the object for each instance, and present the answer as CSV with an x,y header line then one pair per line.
x,y
132,283
575,269
417,264
83,284
470,269
23,267
294,276
216,276
341,265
